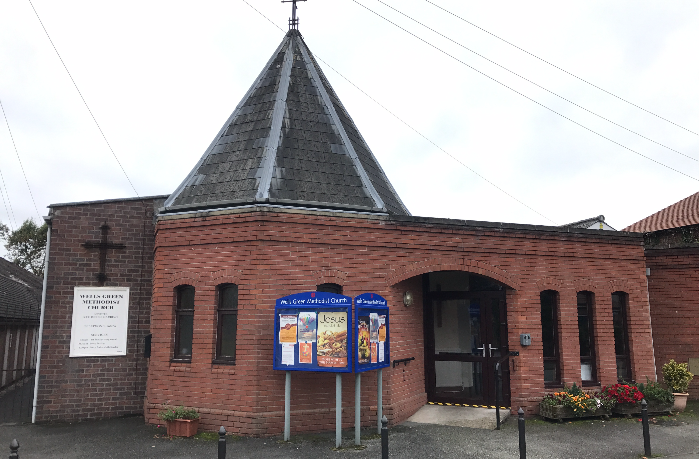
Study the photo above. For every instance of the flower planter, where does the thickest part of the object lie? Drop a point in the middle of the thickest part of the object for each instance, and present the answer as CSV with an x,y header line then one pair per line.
x,y
654,408
182,427
561,412
680,402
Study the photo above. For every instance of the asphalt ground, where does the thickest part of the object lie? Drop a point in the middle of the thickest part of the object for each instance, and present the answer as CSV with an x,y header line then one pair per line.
x,y
671,436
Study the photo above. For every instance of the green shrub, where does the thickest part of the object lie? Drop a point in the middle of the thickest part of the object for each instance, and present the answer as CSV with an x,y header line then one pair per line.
x,y
178,413
677,376
653,391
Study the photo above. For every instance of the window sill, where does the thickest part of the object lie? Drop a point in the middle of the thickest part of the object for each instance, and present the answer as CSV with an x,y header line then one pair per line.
x,y
189,360
591,384
223,362
553,385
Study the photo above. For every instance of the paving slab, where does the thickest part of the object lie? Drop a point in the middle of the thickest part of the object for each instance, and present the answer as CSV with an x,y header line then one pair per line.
x,y
459,416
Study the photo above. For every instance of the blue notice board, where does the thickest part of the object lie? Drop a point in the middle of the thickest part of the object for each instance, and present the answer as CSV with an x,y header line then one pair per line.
x,y
371,332
312,332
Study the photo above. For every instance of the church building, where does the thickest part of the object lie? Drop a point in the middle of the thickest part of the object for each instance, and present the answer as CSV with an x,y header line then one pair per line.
x,y
289,198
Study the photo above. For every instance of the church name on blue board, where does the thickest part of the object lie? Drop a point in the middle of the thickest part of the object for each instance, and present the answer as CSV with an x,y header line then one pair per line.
x,y
379,302
305,301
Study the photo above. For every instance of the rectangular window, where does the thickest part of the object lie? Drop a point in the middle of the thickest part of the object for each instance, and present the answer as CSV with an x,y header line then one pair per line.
x,y
621,336
586,336
227,323
184,322
549,336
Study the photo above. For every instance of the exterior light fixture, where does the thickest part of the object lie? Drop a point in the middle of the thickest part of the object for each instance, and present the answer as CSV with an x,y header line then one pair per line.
x,y
408,298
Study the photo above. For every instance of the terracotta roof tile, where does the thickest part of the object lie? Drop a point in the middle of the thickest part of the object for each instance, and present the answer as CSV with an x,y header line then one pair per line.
x,y
682,213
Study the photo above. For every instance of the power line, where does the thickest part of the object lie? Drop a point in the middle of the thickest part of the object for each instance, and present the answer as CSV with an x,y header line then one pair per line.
x,y
413,129
20,161
561,69
525,96
12,216
538,85
84,101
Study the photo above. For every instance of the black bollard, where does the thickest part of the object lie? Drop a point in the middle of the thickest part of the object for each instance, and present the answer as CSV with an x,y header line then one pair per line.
x,y
14,447
646,430
384,438
522,441
497,395
222,443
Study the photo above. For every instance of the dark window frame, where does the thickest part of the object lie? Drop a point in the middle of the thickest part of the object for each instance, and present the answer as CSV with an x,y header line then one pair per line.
x,y
183,310
623,302
588,303
556,357
329,288
223,311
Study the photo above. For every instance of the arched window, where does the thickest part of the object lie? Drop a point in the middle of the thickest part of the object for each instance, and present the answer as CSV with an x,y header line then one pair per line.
x,y
184,322
621,336
588,370
226,323
549,337
329,288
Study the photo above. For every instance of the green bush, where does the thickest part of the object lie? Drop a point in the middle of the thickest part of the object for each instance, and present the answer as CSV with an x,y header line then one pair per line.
x,y
178,413
653,391
677,376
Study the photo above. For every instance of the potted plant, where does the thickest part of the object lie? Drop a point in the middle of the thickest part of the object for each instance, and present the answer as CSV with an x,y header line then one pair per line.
x,y
677,377
626,398
573,402
659,399
181,421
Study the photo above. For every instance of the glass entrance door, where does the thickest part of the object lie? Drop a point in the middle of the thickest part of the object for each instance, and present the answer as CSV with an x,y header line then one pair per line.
x,y
466,335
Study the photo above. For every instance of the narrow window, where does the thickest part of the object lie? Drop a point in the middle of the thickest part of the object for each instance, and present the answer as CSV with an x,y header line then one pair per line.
x,y
227,323
586,336
184,322
329,288
621,336
549,337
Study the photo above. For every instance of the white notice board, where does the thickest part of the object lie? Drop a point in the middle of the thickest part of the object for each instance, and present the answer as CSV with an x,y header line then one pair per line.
x,y
100,321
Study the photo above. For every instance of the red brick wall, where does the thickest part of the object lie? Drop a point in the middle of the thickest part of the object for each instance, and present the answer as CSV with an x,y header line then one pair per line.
x,y
81,388
673,287
273,254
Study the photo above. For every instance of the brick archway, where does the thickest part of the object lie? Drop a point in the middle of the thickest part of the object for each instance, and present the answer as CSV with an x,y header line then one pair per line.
x,y
450,264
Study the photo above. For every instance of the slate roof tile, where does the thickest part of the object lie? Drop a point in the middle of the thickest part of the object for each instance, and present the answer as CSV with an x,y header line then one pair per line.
x,y
20,293
316,156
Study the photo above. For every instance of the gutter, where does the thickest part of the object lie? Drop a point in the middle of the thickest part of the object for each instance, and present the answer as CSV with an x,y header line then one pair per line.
x,y
48,221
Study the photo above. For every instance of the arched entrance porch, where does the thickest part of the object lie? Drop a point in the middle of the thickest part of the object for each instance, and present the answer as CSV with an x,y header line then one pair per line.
x,y
465,329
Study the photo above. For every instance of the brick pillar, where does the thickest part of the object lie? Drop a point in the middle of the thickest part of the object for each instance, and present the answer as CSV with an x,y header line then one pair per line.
x,y
568,339
643,363
603,331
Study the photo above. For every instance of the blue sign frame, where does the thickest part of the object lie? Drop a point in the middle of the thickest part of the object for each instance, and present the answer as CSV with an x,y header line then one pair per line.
x,y
304,306
365,305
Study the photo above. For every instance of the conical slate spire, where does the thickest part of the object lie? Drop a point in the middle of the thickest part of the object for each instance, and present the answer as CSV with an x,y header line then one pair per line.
x,y
290,141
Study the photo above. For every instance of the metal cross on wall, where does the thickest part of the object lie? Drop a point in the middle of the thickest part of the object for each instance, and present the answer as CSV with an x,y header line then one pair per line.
x,y
103,245
293,21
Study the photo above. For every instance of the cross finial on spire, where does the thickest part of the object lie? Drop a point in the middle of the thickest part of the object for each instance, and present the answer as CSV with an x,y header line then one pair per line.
x,y
293,21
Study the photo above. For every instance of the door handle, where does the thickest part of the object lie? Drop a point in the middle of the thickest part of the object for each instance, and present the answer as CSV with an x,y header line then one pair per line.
x,y
482,348
490,350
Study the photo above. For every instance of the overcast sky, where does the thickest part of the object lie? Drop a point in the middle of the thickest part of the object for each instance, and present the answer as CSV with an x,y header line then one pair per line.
x,y
162,77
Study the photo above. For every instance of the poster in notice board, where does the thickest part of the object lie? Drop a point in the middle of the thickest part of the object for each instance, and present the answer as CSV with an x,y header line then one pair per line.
x,y
312,332
371,330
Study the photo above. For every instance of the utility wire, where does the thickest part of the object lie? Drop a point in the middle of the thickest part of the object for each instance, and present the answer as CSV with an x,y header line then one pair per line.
x,y
84,101
561,69
20,162
413,129
536,84
10,217
525,96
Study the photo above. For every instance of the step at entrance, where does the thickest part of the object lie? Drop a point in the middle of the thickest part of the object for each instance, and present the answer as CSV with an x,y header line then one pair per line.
x,y
459,416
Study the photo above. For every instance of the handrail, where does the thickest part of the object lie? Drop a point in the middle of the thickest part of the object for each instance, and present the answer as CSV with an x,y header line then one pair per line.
x,y
403,361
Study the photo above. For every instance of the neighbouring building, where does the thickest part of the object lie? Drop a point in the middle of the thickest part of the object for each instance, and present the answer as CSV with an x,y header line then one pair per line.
x,y
289,198
672,264
20,300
